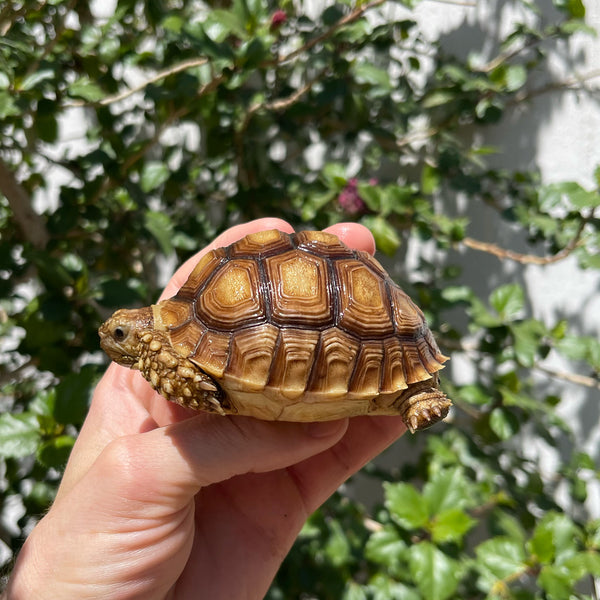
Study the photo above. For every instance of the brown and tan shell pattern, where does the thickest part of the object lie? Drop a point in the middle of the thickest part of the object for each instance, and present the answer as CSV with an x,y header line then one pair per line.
x,y
300,327
296,327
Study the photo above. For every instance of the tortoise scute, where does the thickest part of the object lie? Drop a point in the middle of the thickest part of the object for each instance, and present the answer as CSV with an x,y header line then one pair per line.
x,y
334,363
200,275
260,244
233,297
292,327
368,369
364,306
322,244
252,355
293,361
299,291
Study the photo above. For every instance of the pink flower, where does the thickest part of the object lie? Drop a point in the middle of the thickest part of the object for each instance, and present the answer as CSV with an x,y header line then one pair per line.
x,y
349,199
278,18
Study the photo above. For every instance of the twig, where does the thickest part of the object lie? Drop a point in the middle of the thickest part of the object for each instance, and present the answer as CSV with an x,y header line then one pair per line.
x,y
508,54
30,223
525,259
568,83
182,66
416,136
349,18
585,380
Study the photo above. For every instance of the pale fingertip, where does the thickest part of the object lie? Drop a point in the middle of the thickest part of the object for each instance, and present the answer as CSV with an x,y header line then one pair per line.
x,y
354,235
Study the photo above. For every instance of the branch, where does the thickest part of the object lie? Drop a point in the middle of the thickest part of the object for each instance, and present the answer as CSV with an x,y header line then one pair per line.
x,y
177,68
526,259
569,83
509,53
591,382
349,18
30,223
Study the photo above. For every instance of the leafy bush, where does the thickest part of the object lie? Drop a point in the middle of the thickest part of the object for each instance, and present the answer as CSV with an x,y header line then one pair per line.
x,y
130,141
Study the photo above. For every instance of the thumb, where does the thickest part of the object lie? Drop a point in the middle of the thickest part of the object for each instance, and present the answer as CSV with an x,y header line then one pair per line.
x,y
166,467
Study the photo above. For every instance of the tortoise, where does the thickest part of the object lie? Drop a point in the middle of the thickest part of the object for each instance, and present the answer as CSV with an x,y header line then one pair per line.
x,y
293,327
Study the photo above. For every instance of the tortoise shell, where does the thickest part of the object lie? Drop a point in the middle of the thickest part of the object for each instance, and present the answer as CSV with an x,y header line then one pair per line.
x,y
292,327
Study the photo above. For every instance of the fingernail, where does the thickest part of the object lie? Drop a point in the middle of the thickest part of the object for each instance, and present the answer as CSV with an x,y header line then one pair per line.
x,y
323,428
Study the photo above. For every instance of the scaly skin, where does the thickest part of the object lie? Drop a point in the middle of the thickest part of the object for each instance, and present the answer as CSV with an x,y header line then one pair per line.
x,y
129,339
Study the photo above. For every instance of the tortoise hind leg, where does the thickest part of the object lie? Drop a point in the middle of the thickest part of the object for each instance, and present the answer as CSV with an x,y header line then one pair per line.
x,y
424,407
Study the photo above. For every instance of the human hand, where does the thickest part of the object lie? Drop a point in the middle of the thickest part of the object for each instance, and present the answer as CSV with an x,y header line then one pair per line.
x,y
158,501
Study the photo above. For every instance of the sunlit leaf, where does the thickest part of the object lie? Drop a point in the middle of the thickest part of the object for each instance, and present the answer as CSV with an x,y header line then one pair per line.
x,y
435,574
406,505
19,435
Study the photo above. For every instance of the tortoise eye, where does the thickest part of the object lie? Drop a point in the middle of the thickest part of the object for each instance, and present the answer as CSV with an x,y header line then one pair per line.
x,y
119,334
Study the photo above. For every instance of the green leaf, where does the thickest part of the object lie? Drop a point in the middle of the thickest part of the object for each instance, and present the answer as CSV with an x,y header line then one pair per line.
x,y
366,73
451,525
435,574
55,452
74,395
8,106
457,293
406,505
516,77
508,301
337,548
557,583
384,588
446,489
386,547
334,175
353,591
220,24
36,78
19,435
499,558
510,77
430,179
504,423
87,89
372,197
474,394
528,337
574,8
583,563
438,98
386,237
567,194
160,226
154,174
581,348
554,538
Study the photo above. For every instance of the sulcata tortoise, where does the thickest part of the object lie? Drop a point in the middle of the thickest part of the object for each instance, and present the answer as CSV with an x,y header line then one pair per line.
x,y
286,327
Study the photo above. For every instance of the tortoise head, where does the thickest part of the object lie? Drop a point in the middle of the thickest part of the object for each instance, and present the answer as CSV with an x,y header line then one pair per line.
x,y
120,335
